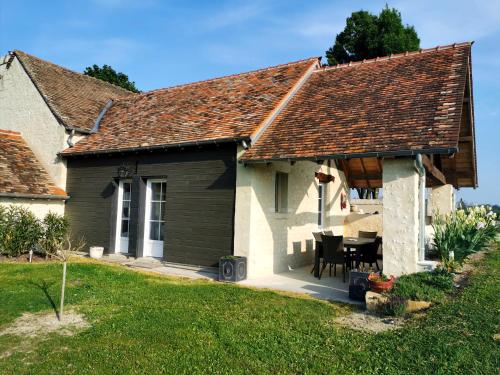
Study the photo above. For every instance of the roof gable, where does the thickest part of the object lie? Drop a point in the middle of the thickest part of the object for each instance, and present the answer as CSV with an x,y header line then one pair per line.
x,y
230,107
74,98
21,173
404,103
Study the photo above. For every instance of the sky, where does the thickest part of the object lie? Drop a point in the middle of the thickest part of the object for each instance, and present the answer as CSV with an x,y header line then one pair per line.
x,y
163,43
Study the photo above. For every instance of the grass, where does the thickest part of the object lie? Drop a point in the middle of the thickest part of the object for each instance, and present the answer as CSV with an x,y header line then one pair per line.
x,y
149,324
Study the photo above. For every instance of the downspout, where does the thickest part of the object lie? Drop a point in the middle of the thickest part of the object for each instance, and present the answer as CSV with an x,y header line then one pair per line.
x,y
421,203
69,141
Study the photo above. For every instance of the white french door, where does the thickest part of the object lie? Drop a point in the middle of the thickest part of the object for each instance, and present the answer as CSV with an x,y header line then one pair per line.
x,y
123,216
154,223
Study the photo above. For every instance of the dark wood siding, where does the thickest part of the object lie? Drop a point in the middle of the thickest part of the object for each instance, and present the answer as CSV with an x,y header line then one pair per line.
x,y
200,200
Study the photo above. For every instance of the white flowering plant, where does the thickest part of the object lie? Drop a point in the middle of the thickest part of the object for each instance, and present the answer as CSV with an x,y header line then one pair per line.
x,y
464,231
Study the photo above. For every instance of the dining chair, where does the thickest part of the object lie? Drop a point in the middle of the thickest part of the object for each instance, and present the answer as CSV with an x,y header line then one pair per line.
x,y
380,252
368,253
333,254
366,234
318,245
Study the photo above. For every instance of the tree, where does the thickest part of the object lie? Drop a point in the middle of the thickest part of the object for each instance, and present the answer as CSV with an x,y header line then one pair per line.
x,y
63,250
108,74
367,36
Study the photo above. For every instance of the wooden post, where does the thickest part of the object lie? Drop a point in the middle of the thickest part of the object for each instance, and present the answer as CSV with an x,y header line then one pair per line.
x,y
61,308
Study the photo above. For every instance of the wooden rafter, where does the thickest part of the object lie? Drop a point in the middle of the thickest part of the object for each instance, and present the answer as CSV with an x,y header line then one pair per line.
x,y
379,163
345,169
433,171
363,169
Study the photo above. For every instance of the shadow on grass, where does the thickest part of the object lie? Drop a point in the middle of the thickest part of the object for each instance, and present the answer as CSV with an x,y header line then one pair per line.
x,y
44,287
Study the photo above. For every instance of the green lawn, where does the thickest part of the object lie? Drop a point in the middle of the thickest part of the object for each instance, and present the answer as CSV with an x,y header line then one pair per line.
x,y
150,324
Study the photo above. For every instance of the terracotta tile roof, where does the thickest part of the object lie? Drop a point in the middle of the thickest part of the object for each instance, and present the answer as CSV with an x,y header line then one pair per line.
x,y
20,172
408,102
229,107
74,98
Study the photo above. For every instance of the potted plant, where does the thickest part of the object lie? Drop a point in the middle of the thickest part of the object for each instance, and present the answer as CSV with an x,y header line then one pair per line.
x,y
96,252
232,268
380,283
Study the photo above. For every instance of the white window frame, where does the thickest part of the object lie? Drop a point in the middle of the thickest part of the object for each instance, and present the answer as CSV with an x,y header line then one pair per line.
x,y
321,204
148,243
119,210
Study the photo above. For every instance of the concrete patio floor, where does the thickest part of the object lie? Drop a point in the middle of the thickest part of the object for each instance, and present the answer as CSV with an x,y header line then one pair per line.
x,y
299,280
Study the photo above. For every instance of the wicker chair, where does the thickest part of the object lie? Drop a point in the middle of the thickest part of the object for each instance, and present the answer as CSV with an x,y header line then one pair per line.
x,y
366,234
369,253
318,245
333,254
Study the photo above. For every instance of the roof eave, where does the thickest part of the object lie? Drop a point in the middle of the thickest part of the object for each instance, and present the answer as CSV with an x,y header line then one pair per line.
x,y
156,147
34,196
373,154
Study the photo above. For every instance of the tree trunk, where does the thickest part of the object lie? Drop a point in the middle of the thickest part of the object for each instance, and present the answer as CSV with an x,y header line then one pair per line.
x,y
61,309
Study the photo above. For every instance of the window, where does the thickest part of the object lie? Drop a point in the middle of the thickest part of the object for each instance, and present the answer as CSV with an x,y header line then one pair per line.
x,y
281,192
157,209
126,197
321,205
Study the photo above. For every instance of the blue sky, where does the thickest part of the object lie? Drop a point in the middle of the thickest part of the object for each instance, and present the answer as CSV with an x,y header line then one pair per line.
x,y
162,43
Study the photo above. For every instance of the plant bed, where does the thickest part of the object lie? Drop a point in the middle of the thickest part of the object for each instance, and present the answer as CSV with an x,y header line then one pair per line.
x,y
431,286
25,258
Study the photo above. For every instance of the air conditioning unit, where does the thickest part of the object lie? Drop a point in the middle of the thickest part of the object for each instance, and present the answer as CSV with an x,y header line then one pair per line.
x,y
232,268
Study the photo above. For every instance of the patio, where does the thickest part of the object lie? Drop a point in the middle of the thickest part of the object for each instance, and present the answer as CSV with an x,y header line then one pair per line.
x,y
300,280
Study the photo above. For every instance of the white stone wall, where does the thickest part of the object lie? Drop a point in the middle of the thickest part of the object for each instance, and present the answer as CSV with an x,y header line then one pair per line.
x,y
23,109
272,241
355,222
40,207
401,223
368,206
441,200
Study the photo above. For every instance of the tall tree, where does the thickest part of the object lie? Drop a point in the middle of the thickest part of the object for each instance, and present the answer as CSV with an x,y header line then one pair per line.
x,y
367,36
108,74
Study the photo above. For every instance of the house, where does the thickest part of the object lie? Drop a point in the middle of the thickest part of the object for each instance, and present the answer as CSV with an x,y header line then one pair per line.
x,y
50,108
251,164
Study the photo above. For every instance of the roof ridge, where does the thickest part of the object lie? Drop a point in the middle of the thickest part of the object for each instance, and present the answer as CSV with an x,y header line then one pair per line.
x,y
395,56
229,76
6,131
16,51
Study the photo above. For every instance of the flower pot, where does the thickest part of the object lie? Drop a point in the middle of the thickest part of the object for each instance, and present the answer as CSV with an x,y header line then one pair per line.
x,y
380,286
232,268
96,252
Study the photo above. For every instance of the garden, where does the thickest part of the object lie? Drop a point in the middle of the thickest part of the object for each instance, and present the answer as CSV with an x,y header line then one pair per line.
x,y
458,237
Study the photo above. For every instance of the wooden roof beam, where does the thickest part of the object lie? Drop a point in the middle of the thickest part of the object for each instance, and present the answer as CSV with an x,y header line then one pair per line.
x,y
363,169
433,171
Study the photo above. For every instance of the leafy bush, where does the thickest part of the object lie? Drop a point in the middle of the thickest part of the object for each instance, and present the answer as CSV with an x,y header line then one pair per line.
x,y
424,286
55,229
20,230
463,232
395,306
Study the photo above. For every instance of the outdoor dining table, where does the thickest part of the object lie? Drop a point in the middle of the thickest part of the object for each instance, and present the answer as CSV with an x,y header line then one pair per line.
x,y
349,243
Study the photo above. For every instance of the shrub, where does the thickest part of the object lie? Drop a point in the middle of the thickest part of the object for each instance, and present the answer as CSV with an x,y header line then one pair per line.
x,y
20,231
395,306
424,286
55,229
463,232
